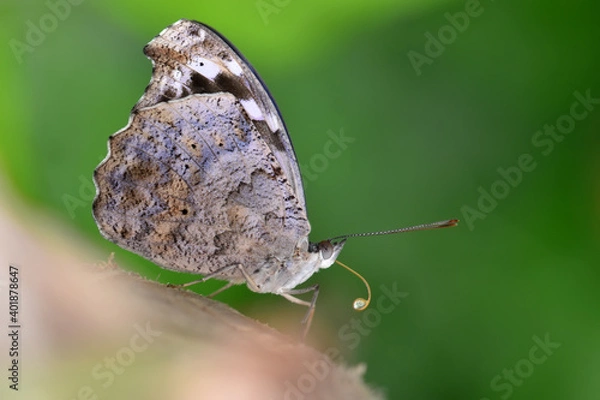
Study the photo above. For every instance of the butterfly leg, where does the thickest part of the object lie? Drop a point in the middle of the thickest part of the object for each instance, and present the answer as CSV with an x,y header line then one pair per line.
x,y
289,295
209,276
249,281
311,305
222,289
251,284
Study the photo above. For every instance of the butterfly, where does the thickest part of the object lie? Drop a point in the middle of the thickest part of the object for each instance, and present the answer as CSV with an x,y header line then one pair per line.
x,y
204,178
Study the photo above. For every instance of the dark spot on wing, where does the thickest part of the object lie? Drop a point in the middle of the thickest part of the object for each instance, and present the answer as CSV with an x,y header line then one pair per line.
x,y
194,30
223,55
201,84
233,86
272,138
170,93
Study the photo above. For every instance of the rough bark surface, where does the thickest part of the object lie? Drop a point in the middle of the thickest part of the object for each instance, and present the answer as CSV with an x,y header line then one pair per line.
x,y
92,331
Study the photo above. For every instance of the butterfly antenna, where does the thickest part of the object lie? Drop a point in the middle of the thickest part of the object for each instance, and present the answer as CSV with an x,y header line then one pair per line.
x,y
359,304
434,225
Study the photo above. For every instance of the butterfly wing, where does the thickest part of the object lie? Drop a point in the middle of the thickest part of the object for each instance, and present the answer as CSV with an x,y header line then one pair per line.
x,y
189,57
204,175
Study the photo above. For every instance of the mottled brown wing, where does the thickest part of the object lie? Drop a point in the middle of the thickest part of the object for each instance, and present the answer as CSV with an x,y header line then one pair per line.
x,y
199,180
190,185
189,57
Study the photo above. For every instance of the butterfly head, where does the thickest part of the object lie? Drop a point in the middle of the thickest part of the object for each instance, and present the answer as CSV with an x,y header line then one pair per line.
x,y
327,251
307,260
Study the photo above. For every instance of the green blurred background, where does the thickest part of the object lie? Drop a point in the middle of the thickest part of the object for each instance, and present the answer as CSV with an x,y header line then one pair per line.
x,y
427,141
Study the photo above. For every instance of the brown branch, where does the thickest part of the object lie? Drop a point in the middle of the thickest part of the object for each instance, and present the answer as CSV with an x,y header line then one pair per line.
x,y
96,332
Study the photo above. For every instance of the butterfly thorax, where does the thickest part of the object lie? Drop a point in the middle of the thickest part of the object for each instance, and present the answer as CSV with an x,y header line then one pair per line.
x,y
278,276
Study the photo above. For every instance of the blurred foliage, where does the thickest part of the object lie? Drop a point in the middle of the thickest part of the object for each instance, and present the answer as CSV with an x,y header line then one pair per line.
x,y
425,146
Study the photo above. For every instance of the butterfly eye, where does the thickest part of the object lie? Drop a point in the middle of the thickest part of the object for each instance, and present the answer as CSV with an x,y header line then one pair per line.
x,y
326,249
